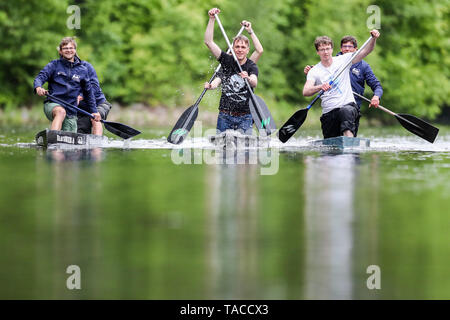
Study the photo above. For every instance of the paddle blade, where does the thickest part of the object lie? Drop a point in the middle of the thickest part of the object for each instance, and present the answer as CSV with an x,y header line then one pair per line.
x,y
120,129
261,116
418,127
183,125
291,126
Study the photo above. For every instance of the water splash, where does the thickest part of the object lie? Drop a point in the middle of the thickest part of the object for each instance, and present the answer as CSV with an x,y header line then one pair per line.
x,y
295,144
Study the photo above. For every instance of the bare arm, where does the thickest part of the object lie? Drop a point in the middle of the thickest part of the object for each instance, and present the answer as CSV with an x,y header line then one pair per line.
x,y
209,34
253,80
368,49
310,89
214,84
258,46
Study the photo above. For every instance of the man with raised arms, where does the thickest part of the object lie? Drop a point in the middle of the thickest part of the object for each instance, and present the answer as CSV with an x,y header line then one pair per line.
x,y
234,110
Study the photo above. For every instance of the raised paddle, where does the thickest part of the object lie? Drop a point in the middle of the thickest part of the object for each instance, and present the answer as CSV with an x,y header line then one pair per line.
x,y
296,120
412,124
116,128
260,113
187,119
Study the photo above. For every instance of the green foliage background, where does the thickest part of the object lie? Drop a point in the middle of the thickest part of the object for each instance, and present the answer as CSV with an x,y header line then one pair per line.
x,y
152,51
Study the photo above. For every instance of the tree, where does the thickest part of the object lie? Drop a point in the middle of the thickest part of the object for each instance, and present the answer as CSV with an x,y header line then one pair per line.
x,y
29,37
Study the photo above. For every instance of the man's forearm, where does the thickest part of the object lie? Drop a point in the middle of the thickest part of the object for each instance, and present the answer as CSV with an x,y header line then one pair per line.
x,y
253,81
209,33
365,51
311,90
215,83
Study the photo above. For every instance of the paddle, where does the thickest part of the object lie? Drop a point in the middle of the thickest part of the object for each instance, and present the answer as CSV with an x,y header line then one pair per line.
x,y
260,113
296,120
116,128
188,117
412,124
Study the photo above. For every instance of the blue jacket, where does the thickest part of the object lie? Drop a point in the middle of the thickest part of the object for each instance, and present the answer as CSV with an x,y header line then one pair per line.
x,y
95,84
361,72
66,80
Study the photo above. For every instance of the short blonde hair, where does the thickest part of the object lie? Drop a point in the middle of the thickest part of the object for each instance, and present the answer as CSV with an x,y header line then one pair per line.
x,y
241,38
67,40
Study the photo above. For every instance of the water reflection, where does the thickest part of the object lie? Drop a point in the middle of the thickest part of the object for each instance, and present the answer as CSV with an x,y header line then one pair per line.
x,y
235,229
232,215
266,157
65,220
140,226
329,214
63,155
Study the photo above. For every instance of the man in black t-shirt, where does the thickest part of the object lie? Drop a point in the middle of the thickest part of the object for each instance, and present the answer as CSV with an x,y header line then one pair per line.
x,y
234,111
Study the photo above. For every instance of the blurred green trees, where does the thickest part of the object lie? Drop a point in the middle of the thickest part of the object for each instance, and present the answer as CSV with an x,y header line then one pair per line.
x,y
152,51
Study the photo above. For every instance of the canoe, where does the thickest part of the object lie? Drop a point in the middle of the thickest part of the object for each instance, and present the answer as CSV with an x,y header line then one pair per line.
x,y
236,140
342,142
47,137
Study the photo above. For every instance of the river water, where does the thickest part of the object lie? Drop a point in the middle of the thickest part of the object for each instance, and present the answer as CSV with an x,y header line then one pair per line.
x,y
142,219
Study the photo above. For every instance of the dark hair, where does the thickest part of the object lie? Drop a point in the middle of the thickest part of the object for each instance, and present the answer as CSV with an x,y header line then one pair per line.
x,y
349,39
323,40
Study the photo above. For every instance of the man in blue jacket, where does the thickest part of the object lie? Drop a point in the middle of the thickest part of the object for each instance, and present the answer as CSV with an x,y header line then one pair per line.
x,y
360,73
67,78
86,124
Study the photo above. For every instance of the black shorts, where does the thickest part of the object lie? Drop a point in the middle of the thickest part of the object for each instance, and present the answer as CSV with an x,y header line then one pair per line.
x,y
84,122
338,120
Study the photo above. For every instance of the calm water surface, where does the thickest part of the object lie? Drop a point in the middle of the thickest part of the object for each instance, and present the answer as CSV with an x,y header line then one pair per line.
x,y
288,222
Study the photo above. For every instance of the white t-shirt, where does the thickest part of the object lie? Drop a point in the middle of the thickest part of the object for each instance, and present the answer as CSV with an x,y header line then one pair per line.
x,y
341,92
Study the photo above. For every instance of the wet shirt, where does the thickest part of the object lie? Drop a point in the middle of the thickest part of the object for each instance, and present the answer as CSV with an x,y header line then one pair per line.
x,y
235,95
340,93
361,72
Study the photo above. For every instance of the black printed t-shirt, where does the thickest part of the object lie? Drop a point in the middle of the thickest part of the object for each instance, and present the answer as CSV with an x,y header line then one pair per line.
x,y
235,95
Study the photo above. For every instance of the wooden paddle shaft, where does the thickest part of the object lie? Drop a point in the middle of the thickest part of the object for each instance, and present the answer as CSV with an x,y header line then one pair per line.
x,y
389,111
379,106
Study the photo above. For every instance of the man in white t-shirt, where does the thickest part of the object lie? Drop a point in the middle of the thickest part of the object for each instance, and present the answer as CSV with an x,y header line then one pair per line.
x,y
339,110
